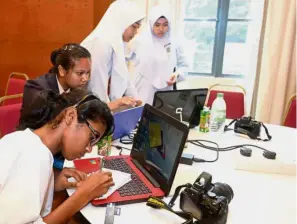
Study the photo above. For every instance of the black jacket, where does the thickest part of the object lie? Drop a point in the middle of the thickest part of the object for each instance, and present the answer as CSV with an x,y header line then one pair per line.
x,y
34,86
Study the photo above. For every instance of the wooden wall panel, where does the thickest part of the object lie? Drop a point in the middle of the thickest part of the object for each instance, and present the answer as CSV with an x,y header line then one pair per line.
x,y
31,29
100,7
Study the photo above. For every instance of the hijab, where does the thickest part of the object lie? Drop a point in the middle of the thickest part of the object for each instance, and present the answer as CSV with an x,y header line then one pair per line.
x,y
156,55
118,17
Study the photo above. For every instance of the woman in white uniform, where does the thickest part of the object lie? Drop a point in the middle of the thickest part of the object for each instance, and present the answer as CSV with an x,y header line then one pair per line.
x,y
27,180
110,77
158,57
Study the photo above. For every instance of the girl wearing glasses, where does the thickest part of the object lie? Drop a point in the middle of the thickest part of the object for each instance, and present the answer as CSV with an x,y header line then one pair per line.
x,y
71,69
70,123
110,78
158,57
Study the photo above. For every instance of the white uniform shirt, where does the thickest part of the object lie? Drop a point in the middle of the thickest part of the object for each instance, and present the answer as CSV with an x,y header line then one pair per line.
x,y
26,178
61,89
103,69
155,59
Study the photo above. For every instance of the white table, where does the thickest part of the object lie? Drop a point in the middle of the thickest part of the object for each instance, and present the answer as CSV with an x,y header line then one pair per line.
x,y
259,197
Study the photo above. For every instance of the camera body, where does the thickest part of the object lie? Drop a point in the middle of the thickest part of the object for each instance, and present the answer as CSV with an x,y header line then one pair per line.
x,y
248,126
206,200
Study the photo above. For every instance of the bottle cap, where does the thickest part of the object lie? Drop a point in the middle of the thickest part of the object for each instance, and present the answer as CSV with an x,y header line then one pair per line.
x,y
220,95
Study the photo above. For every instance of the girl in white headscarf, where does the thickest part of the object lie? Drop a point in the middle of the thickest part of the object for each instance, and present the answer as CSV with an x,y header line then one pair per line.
x,y
110,77
158,57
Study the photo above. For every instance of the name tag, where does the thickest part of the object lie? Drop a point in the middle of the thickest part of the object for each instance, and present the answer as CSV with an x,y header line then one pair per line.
x,y
168,47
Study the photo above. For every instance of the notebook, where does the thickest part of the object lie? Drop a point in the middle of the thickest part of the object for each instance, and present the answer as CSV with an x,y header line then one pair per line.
x,y
153,161
119,179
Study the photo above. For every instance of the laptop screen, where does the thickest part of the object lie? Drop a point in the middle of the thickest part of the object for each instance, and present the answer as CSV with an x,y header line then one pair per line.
x,y
126,121
187,99
158,145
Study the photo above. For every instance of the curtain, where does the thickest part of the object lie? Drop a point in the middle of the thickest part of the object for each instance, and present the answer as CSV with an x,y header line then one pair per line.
x,y
276,71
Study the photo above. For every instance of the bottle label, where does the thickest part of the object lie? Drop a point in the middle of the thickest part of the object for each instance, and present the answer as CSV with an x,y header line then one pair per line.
x,y
204,120
104,146
218,118
220,115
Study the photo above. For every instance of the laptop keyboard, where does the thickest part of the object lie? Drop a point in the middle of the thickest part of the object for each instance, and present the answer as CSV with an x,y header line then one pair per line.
x,y
133,187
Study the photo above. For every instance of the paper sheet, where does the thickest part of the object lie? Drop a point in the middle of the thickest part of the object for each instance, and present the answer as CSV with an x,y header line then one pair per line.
x,y
119,179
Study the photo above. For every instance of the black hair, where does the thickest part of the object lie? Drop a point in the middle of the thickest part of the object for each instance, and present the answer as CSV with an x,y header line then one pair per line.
x,y
46,107
66,56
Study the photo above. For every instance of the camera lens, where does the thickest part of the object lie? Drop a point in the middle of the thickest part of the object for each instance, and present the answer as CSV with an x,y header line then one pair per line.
x,y
222,189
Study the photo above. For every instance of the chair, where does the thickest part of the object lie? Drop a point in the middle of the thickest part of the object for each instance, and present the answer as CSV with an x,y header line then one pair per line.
x,y
15,85
9,118
234,99
4,99
289,119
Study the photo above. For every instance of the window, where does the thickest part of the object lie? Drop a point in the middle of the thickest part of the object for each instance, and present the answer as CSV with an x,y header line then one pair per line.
x,y
222,32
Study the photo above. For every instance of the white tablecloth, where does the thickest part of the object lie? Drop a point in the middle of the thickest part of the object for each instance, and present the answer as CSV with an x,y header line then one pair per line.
x,y
259,197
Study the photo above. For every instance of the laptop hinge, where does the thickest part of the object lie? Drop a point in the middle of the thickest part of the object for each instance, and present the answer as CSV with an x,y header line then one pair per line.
x,y
146,174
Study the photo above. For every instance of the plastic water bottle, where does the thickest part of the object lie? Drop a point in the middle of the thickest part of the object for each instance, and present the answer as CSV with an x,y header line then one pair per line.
x,y
218,113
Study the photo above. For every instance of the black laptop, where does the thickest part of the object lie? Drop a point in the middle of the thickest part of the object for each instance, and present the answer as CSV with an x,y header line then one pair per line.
x,y
190,100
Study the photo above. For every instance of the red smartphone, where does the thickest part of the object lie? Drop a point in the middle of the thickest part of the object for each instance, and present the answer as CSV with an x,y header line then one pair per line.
x,y
88,165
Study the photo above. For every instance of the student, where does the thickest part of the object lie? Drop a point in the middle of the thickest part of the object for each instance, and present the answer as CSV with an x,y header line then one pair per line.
x,y
110,77
71,69
158,57
70,123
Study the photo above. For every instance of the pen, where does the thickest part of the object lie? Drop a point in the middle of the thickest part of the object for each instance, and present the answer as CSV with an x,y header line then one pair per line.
x,y
174,84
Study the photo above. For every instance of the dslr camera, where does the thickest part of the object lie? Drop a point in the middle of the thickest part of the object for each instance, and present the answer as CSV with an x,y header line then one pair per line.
x,y
248,126
207,202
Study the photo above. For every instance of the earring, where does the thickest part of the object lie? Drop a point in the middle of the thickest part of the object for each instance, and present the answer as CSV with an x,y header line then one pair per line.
x,y
55,125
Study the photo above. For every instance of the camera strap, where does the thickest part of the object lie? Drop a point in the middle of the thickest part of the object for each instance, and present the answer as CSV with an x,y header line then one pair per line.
x,y
160,204
269,137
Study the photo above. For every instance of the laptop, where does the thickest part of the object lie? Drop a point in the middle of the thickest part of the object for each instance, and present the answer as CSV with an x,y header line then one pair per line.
x,y
153,161
126,121
190,100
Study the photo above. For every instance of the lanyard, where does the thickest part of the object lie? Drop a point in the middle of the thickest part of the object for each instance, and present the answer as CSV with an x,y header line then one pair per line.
x,y
158,203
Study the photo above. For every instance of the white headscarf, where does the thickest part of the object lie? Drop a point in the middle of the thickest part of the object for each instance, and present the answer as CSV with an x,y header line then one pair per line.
x,y
118,17
156,55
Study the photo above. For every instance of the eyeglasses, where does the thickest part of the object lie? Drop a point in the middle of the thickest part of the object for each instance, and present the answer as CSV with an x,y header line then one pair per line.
x,y
95,135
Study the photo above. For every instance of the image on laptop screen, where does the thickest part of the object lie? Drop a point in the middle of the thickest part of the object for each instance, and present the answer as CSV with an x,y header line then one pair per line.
x,y
157,145
187,99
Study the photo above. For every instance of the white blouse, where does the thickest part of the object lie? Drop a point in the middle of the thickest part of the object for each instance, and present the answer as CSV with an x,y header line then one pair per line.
x,y
26,178
103,58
